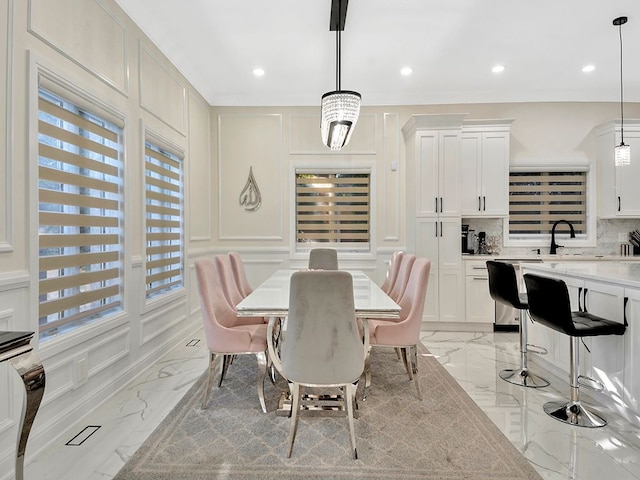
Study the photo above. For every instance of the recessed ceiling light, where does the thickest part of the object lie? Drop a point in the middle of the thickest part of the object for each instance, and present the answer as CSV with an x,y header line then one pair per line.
x,y
258,72
406,71
588,68
498,69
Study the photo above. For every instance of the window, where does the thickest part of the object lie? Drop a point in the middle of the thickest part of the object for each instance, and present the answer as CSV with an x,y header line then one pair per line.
x,y
80,221
333,208
163,193
537,199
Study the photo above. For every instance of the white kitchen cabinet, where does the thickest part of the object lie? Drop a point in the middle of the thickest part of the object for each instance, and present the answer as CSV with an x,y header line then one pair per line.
x,y
438,238
618,192
484,168
433,209
479,306
632,349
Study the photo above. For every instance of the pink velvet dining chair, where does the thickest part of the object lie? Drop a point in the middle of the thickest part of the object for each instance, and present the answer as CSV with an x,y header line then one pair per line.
x,y
404,270
240,274
405,333
224,335
392,272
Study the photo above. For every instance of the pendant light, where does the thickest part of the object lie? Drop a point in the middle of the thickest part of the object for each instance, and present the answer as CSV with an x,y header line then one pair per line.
x,y
340,108
622,151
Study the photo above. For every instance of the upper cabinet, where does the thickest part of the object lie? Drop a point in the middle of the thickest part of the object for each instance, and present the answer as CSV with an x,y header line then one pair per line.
x,y
433,152
618,192
484,168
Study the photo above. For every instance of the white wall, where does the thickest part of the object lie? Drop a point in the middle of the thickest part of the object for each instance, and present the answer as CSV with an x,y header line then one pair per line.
x,y
94,46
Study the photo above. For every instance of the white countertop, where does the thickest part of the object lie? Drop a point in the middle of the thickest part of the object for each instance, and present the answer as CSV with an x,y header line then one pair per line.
x,y
621,272
569,257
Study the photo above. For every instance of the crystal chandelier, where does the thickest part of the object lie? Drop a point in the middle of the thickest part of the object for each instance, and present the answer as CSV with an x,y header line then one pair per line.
x,y
340,108
622,151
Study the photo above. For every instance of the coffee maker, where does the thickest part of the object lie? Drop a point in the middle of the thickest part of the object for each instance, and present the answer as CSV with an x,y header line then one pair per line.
x,y
468,240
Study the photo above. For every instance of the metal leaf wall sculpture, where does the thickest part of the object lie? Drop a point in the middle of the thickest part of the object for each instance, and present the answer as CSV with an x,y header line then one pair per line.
x,y
250,197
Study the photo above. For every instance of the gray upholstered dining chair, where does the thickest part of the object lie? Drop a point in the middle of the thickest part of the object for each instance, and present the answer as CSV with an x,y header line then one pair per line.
x,y
323,259
321,346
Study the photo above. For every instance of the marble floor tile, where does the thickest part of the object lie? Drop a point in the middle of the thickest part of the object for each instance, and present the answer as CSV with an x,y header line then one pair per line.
x,y
556,450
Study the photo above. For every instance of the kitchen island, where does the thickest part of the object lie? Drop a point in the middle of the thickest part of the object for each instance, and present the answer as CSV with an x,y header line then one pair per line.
x,y
610,290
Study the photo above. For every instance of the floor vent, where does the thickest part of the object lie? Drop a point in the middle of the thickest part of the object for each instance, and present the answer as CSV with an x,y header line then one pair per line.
x,y
83,436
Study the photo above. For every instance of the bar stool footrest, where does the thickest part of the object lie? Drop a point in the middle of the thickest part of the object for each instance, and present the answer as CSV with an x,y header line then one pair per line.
x,y
538,350
590,383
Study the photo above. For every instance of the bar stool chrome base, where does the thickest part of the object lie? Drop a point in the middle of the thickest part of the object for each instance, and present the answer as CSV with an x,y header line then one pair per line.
x,y
573,413
523,378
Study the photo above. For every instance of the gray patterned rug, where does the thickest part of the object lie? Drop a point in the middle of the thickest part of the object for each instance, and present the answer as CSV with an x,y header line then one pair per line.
x,y
446,436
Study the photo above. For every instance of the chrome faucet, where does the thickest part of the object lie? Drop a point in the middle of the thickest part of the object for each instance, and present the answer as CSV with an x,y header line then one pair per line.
x,y
554,245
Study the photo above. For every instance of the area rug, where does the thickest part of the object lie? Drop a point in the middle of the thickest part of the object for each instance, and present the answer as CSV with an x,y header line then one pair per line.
x,y
444,436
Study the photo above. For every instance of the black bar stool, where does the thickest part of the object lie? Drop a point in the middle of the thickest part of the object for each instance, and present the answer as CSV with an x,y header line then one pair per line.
x,y
549,305
503,287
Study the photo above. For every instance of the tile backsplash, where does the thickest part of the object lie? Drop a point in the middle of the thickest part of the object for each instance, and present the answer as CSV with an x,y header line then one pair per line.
x,y
608,231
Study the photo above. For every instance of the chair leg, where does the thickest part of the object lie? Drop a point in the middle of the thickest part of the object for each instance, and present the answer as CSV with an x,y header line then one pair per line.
x,y
262,372
407,357
295,406
207,390
367,375
573,412
226,361
349,399
522,376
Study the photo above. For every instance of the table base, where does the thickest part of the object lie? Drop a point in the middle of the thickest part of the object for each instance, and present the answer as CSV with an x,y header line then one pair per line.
x,y
315,405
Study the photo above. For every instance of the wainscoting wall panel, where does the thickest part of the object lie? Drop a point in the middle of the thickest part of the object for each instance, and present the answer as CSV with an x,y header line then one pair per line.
x,y
98,45
245,142
6,68
199,187
161,93
304,136
393,173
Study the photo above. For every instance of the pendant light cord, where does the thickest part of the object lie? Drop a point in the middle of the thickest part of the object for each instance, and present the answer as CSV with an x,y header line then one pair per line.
x,y
621,90
338,46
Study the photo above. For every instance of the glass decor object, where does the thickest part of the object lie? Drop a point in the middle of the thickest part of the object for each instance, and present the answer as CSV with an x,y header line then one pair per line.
x,y
622,155
340,110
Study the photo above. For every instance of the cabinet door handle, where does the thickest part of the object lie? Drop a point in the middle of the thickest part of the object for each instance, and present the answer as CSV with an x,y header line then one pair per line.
x,y
441,229
618,203
579,294
441,208
584,300
624,311
436,224
484,203
481,278
479,209
436,199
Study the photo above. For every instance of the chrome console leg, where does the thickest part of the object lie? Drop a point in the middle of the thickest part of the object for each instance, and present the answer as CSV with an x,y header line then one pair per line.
x,y
522,376
31,371
573,412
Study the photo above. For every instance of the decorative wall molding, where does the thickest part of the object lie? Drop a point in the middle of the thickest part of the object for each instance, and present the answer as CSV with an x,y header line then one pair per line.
x,y
199,173
161,322
304,136
245,140
6,135
162,94
75,48
392,176
14,280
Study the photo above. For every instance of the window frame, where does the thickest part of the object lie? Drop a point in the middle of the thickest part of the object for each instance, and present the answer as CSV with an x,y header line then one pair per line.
x,y
159,141
587,239
42,77
301,250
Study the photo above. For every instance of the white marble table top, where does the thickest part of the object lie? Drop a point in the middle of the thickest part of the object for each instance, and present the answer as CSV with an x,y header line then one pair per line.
x,y
272,298
622,273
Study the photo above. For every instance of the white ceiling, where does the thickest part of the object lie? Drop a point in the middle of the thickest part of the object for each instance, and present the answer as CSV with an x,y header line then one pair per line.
x,y
450,44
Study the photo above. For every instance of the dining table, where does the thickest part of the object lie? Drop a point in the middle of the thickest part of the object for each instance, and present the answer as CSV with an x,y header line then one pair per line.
x,y
271,299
